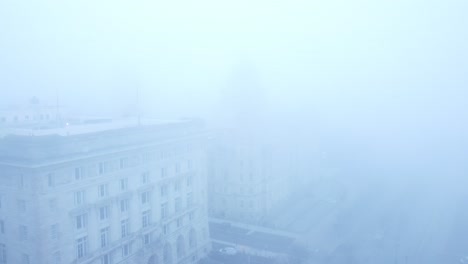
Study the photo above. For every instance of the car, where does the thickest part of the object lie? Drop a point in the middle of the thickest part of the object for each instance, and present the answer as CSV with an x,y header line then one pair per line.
x,y
228,251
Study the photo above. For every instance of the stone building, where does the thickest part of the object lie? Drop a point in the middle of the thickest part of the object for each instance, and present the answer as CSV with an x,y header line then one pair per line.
x,y
103,191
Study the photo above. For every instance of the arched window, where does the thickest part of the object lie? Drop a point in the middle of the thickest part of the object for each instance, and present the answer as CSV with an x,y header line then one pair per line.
x,y
167,254
153,259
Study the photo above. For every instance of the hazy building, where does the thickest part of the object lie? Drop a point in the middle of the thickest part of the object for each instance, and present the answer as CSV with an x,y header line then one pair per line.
x,y
247,179
102,191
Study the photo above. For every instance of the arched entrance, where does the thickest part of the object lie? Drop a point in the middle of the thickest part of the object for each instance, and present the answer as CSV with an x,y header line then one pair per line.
x,y
153,259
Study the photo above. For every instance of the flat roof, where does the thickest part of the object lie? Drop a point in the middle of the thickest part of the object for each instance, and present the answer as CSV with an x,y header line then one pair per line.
x,y
83,126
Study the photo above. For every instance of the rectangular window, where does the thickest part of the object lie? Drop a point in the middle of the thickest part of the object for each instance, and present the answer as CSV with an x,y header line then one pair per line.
x,y
106,259
191,216
178,204
102,191
177,168
164,210
145,197
145,177
3,254
104,237
124,205
101,168
179,222
177,186
81,221
123,163
54,231
147,239
103,213
163,172
126,250
146,218
189,164
125,227
164,191
123,184
79,175
2,227
189,181
79,197
50,180
81,247
165,229
23,233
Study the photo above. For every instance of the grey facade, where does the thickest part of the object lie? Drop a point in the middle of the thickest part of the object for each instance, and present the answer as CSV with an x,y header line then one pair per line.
x,y
104,193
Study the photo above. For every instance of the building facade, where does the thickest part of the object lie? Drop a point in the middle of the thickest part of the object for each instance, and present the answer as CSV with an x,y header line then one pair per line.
x,y
247,179
104,192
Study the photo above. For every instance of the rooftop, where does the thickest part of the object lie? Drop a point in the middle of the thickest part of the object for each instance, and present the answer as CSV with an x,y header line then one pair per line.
x,y
80,126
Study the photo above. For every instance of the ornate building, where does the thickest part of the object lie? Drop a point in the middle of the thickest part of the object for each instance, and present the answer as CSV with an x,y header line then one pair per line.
x,y
103,191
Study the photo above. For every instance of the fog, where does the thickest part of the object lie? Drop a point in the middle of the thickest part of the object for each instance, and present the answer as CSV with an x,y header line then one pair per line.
x,y
363,100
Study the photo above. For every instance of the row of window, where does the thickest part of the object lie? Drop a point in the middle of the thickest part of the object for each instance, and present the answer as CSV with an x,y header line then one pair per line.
x,y
3,255
104,167
103,191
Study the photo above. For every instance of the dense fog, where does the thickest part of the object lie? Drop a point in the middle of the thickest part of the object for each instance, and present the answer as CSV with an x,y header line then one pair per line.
x,y
353,114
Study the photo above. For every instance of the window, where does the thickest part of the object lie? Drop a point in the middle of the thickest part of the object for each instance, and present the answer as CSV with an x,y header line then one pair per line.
x,y
101,168
81,221
124,205
3,254
189,164
164,210
163,172
81,247
145,197
2,227
177,167
166,229
104,237
25,259
23,233
191,216
177,186
146,218
103,213
54,231
189,181
79,197
79,173
145,177
50,180
125,227
102,190
123,184
123,163
179,222
146,239
106,259
178,204
164,191
126,250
